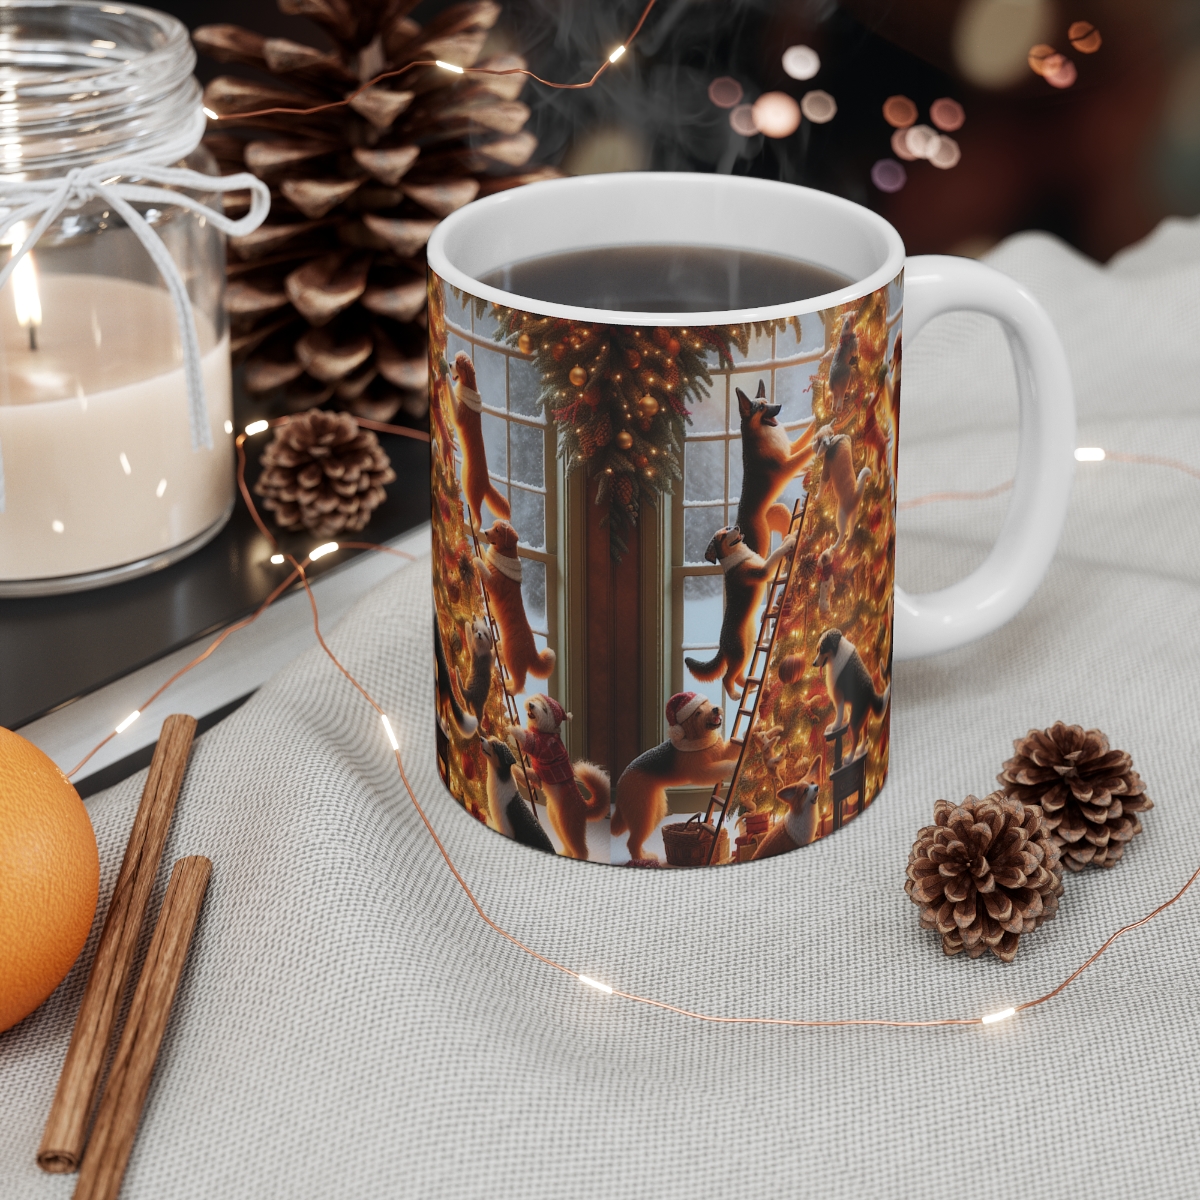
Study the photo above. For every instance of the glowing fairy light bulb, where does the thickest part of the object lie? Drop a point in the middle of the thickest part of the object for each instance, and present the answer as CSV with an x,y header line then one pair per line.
x,y
26,298
1002,1015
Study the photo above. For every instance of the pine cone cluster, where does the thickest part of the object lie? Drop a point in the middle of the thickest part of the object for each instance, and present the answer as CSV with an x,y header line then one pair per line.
x,y
1090,794
327,299
324,474
984,873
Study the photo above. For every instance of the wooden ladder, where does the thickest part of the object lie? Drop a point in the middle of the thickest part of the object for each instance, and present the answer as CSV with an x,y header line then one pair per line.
x,y
509,700
747,711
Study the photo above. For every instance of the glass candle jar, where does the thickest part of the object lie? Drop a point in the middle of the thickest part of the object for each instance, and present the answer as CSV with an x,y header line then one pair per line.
x,y
103,476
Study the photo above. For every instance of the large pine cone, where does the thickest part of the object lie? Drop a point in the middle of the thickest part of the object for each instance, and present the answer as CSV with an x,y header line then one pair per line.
x,y
985,872
324,474
327,299
1090,794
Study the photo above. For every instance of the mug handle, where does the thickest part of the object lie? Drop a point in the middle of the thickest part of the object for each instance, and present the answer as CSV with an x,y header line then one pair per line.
x,y
998,589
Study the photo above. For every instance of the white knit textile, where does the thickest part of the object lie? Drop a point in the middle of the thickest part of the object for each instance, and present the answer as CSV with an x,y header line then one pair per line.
x,y
347,1027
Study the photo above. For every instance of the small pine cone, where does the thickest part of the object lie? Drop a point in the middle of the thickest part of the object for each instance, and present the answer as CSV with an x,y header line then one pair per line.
x,y
324,474
589,443
985,872
1090,794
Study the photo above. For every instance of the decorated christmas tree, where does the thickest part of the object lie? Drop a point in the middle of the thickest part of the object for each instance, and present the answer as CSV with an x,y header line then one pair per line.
x,y
458,595
845,589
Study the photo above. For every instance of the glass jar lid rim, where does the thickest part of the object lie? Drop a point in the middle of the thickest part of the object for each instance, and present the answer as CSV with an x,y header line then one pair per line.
x,y
84,81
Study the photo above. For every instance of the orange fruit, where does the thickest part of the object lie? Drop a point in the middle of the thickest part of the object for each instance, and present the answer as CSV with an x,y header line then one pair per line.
x,y
49,877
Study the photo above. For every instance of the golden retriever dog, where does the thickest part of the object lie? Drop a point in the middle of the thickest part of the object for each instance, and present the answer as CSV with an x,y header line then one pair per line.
x,y
501,575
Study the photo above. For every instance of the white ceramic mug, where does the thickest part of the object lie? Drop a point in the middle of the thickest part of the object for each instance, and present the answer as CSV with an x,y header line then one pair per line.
x,y
618,638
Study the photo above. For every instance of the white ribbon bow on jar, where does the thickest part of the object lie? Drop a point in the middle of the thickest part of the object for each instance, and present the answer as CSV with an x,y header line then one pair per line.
x,y
45,200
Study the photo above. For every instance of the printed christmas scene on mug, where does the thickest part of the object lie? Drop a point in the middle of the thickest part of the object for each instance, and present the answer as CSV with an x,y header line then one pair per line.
x,y
662,568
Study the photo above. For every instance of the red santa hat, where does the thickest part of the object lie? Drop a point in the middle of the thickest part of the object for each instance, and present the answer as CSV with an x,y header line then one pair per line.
x,y
555,711
681,706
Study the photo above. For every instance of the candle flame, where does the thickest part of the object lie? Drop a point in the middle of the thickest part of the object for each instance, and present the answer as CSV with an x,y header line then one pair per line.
x,y
26,298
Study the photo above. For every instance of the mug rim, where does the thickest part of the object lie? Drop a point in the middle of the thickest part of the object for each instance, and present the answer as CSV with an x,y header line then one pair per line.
x,y
440,264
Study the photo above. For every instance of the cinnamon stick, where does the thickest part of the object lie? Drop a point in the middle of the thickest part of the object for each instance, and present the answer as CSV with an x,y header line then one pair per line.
x,y
66,1127
129,1080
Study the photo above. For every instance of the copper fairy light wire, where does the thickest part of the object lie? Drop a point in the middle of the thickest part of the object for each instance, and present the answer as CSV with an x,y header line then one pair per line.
x,y
939,497
614,57
1083,454
299,571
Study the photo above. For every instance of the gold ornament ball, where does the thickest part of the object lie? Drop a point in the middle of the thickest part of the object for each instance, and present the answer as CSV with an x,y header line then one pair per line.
x,y
578,376
525,344
624,439
648,405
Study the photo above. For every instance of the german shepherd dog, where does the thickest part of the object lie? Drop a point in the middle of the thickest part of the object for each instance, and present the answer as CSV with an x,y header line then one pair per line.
x,y
508,813
746,575
700,756
799,827
769,463
468,409
501,576
850,687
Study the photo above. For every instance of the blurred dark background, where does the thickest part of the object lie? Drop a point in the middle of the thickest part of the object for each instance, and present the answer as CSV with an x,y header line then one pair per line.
x,y
1098,163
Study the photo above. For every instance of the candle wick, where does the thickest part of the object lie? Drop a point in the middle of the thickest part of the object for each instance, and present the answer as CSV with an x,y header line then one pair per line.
x,y
32,336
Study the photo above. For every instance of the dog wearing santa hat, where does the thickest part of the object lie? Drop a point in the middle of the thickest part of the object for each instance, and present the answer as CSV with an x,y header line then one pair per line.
x,y
559,778
695,754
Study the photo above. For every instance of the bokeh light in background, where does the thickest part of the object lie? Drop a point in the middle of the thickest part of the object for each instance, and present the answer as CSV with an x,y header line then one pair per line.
x,y
801,62
991,38
819,107
945,153
776,114
1038,55
741,120
899,111
1059,71
947,114
1097,162
888,175
1085,37
725,92
920,140
900,146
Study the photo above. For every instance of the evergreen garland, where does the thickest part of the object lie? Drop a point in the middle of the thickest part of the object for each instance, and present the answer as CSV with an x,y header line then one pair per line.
x,y
618,395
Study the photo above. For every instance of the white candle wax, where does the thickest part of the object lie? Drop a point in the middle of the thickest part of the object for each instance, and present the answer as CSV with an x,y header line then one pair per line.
x,y
99,468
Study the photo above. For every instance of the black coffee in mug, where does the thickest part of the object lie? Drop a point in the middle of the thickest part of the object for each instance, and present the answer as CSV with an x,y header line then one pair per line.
x,y
666,278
